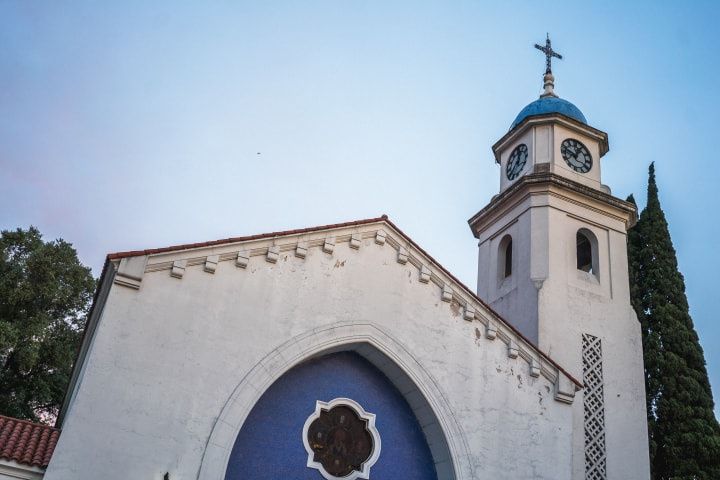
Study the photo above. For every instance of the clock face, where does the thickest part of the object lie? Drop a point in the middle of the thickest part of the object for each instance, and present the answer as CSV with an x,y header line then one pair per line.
x,y
516,162
576,155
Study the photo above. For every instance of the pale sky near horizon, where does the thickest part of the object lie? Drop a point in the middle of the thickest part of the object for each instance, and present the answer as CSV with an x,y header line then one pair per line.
x,y
130,125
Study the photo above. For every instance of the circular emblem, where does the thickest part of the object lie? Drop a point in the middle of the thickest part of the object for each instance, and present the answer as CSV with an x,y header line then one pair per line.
x,y
576,155
341,440
516,162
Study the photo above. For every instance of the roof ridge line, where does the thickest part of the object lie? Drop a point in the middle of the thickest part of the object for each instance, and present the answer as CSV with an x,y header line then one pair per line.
x,y
225,241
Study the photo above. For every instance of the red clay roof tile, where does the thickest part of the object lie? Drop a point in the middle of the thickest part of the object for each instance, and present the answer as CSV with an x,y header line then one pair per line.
x,y
26,442
135,253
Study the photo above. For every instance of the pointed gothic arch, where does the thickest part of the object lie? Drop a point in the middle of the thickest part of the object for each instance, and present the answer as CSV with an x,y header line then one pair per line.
x,y
443,433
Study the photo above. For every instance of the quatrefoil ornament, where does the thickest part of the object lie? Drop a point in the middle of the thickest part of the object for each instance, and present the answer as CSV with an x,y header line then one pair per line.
x,y
341,440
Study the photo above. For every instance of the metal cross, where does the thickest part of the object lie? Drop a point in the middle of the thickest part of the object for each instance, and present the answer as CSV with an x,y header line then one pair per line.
x,y
549,53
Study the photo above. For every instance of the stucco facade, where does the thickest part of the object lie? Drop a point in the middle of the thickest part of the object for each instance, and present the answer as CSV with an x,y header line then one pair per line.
x,y
184,342
217,361
558,305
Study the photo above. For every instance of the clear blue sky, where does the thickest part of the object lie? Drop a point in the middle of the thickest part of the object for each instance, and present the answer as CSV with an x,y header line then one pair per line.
x,y
132,125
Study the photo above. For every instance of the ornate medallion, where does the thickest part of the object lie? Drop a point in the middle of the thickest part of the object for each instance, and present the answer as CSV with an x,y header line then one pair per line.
x,y
341,440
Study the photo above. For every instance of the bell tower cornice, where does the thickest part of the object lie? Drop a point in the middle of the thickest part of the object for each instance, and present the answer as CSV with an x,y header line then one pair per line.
x,y
548,184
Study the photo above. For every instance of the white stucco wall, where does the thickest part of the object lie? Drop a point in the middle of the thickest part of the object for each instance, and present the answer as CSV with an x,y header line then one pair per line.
x,y
573,303
515,296
554,304
167,359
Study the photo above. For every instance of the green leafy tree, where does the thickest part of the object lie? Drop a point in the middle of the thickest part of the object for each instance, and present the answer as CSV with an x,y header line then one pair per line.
x,y
684,433
45,293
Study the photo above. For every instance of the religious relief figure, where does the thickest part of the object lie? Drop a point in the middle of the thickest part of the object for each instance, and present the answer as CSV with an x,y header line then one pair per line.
x,y
341,440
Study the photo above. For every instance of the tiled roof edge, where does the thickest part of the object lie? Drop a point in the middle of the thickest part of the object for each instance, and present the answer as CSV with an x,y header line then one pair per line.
x,y
26,442
224,241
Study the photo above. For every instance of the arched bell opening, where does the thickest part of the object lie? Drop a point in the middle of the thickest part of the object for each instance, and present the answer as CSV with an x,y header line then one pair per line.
x,y
505,258
586,252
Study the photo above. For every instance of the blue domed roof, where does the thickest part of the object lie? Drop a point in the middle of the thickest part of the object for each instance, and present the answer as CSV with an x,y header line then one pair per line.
x,y
545,105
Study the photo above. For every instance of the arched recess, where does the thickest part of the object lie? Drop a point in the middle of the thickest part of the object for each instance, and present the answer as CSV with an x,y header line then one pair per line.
x,y
444,436
586,252
505,258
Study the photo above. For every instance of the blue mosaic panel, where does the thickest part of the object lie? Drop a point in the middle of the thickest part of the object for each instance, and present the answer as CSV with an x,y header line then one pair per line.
x,y
270,446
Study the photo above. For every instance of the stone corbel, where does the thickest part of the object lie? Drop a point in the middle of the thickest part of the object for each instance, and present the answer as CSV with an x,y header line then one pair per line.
x,y
301,250
273,254
130,271
380,237
564,388
243,258
490,331
425,274
211,263
355,241
329,245
534,368
402,256
178,268
447,293
512,349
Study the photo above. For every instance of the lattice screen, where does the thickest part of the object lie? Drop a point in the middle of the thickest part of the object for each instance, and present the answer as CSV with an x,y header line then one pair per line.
x,y
594,404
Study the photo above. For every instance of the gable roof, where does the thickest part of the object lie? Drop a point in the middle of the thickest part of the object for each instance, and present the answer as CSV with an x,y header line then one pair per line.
x,y
113,266
26,442
225,241
384,219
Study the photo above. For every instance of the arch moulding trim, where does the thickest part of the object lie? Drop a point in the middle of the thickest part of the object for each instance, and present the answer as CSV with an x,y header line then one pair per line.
x,y
448,445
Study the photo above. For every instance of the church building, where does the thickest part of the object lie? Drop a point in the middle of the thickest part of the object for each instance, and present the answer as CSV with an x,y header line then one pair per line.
x,y
347,352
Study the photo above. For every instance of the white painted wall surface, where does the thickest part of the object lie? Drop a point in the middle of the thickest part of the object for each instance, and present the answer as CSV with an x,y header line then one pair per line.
x,y
572,302
554,303
167,358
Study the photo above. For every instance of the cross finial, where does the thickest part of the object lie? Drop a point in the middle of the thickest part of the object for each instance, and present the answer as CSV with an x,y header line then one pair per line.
x,y
549,53
548,78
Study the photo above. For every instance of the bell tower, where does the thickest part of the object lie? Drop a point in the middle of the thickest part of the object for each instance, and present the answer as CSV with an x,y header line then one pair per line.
x,y
553,262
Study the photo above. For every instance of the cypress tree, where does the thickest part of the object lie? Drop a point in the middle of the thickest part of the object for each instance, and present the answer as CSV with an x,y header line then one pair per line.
x,y
651,346
684,433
